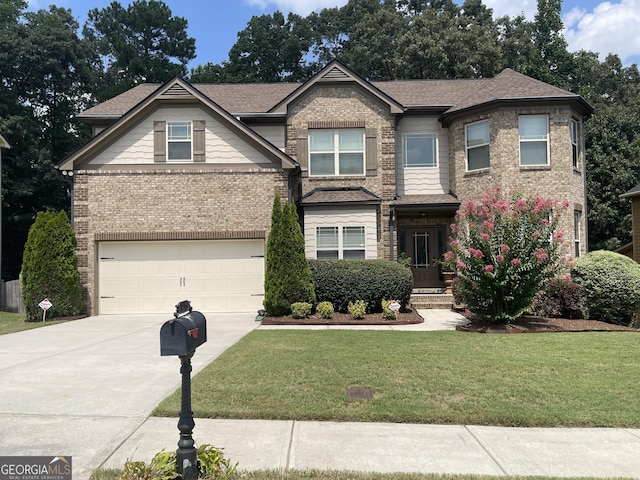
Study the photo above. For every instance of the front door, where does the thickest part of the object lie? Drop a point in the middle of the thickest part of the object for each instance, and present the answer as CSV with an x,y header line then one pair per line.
x,y
425,246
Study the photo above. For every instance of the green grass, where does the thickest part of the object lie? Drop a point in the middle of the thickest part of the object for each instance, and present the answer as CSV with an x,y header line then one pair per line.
x,y
343,475
547,379
15,322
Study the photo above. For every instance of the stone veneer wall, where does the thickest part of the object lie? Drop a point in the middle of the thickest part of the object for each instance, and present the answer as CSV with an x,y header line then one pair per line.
x,y
349,104
560,180
168,204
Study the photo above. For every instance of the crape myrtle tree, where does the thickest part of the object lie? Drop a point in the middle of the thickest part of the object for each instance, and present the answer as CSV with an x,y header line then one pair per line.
x,y
287,273
49,267
505,249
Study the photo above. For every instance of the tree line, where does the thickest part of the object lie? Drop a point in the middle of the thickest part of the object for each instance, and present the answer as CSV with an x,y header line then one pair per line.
x,y
51,68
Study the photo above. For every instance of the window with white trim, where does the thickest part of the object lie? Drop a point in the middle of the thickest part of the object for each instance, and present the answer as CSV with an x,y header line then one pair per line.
x,y
574,143
179,142
419,150
534,139
336,152
477,141
340,243
577,219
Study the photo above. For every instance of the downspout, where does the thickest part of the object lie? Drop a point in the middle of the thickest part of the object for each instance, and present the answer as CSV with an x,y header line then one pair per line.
x,y
392,223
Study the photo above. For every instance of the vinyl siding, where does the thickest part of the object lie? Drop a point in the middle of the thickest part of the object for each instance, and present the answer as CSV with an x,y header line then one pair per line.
x,y
423,181
222,146
341,217
272,133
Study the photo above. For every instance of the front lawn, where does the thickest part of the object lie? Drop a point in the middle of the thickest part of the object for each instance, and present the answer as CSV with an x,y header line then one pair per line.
x,y
15,322
547,379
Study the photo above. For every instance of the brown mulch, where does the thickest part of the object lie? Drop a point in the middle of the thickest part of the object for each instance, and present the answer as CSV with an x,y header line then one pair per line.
x,y
532,324
407,318
526,324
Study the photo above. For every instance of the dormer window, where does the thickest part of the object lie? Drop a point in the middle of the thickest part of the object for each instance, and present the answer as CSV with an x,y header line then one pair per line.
x,y
179,141
337,152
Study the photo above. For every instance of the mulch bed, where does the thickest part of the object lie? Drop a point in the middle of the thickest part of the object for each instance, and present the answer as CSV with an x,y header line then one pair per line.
x,y
407,318
526,324
532,324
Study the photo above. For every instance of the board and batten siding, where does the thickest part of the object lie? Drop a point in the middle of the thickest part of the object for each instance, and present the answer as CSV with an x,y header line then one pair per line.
x,y
423,181
222,146
363,216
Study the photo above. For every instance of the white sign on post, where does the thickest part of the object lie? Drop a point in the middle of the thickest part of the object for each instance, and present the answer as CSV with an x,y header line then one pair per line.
x,y
45,305
395,308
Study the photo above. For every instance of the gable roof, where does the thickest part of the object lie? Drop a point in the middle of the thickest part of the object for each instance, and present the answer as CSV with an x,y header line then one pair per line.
x,y
449,98
634,192
174,91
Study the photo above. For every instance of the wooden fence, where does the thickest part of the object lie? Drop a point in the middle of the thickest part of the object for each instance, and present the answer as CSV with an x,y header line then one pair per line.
x,y
11,296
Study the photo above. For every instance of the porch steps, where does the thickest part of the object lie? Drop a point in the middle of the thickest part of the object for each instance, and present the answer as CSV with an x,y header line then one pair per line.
x,y
431,300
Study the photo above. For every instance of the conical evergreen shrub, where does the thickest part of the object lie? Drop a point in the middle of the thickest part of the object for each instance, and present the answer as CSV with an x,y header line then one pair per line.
x,y
50,267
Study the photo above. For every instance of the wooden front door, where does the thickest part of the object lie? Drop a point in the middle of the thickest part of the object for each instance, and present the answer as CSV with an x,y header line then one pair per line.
x,y
425,246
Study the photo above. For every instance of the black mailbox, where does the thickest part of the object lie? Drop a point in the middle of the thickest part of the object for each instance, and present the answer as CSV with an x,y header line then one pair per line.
x,y
183,334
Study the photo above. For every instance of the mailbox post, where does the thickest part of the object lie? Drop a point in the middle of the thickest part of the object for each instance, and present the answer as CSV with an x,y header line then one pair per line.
x,y
181,336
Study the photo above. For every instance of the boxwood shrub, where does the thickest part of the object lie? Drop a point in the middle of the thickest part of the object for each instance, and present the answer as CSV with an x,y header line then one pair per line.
x,y
611,286
344,281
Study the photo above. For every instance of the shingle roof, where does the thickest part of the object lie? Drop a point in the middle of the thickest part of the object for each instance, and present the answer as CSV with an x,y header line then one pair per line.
x,y
336,195
422,200
448,96
634,192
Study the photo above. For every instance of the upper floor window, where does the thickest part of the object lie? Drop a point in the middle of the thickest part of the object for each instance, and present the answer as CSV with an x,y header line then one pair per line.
x,y
577,219
340,243
477,135
534,139
336,152
574,143
179,141
419,150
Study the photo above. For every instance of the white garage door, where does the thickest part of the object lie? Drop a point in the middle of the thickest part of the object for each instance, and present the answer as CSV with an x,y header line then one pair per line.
x,y
151,277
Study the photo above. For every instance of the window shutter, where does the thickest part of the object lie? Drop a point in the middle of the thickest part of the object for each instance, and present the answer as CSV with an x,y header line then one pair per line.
x,y
159,142
303,151
371,151
198,141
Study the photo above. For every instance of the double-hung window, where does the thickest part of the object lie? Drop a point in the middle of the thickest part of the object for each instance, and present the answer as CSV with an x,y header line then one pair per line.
x,y
336,152
574,143
477,138
179,142
419,150
340,243
577,218
534,140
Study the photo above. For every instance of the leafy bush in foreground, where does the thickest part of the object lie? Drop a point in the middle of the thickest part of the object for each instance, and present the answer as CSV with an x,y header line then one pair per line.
x,y
561,298
611,286
344,281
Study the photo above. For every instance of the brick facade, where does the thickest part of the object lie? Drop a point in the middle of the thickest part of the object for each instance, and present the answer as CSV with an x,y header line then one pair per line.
x,y
169,204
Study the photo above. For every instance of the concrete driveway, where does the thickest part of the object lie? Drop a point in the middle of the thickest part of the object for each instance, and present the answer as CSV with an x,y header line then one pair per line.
x,y
83,387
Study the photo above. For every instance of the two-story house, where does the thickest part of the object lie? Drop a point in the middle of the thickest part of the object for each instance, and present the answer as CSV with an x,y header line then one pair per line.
x,y
173,194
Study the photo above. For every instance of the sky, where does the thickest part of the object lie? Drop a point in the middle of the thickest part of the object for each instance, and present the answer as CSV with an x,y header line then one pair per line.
x,y
595,25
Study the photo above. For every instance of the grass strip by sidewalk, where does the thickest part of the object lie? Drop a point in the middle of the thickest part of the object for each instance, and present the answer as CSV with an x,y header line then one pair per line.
x,y
549,379
15,322
112,474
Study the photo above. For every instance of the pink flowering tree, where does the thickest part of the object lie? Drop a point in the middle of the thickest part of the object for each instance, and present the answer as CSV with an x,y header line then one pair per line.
x,y
506,249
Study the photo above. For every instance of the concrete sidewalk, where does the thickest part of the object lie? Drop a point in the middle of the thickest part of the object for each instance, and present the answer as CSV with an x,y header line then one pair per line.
x,y
86,388
382,447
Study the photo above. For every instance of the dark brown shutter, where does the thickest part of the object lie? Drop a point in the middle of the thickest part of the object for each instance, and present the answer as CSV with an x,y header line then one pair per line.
x,y
159,142
303,151
371,151
198,141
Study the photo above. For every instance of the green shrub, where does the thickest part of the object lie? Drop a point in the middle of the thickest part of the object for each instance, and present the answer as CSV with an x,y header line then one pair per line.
x,y
325,309
357,309
344,281
49,268
211,466
561,298
611,286
301,309
287,277
387,313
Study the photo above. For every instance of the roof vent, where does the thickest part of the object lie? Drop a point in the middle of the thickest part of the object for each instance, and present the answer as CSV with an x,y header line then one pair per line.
x,y
335,73
176,90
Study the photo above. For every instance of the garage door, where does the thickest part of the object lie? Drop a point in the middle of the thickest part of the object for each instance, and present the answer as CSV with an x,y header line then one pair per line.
x,y
151,277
